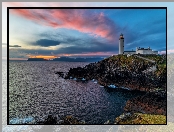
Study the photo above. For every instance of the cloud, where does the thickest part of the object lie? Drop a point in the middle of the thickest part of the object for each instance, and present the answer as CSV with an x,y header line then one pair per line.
x,y
47,42
95,32
86,21
93,47
14,46
81,50
25,53
64,38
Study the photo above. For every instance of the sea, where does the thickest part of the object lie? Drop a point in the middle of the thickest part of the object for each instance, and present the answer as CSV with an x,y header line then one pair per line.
x,y
35,92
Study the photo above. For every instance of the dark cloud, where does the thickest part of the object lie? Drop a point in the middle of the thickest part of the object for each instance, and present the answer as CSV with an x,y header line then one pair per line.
x,y
14,46
94,46
47,42
66,39
87,47
78,50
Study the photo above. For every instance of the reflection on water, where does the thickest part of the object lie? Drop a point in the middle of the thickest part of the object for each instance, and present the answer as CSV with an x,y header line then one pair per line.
x,y
35,92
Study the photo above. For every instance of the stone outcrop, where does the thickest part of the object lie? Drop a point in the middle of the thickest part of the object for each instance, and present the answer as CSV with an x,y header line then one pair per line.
x,y
129,72
150,103
61,74
121,71
67,120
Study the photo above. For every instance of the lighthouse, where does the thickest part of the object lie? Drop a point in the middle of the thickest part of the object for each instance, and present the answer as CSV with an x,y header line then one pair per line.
x,y
121,44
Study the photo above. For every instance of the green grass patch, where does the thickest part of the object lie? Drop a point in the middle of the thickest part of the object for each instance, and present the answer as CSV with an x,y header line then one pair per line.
x,y
138,118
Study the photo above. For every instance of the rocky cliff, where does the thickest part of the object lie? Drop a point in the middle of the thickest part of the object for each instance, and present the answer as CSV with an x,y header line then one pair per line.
x,y
123,71
132,72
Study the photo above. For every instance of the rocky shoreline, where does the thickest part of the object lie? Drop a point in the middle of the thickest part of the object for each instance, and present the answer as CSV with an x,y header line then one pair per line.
x,y
131,73
150,103
121,72
67,120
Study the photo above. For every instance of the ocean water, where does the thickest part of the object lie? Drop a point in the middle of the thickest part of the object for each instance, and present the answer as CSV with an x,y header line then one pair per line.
x,y
35,92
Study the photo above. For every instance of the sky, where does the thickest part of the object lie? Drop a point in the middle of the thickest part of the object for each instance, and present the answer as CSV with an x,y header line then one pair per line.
x,y
82,32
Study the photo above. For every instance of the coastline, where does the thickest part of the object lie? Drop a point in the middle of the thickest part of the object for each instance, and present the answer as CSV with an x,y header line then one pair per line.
x,y
95,76
110,74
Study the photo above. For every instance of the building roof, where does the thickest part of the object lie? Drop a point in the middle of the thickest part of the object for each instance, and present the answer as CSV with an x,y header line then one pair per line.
x,y
130,51
144,49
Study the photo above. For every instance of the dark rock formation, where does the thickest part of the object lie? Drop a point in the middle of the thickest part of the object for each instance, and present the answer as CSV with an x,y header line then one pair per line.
x,y
131,72
50,120
123,71
150,103
67,120
61,74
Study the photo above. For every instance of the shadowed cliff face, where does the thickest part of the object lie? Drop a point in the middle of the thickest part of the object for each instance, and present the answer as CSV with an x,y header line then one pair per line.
x,y
151,103
131,72
124,71
67,120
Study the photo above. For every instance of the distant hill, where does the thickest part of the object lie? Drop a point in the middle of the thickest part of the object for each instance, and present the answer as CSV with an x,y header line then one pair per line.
x,y
36,59
68,59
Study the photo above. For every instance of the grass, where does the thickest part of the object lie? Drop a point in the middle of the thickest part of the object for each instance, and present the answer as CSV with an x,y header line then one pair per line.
x,y
138,118
130,62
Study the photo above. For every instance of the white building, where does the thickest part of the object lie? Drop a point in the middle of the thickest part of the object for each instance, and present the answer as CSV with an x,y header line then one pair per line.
x,y
121,44
138,49
145,51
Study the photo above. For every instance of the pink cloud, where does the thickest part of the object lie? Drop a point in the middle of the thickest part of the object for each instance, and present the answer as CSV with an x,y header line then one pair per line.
x,y
96,24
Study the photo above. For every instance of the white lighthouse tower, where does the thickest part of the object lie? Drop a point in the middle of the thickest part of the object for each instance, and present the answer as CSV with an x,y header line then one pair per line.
x,y
121,44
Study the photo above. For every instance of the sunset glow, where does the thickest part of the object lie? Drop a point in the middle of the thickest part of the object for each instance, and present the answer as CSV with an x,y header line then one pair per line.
x,y
43,56
54,32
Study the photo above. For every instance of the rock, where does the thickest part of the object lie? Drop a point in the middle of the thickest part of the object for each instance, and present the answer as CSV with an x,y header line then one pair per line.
x,y
123,117
67,120
61,74
50,120
131,73
120,71
150,103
